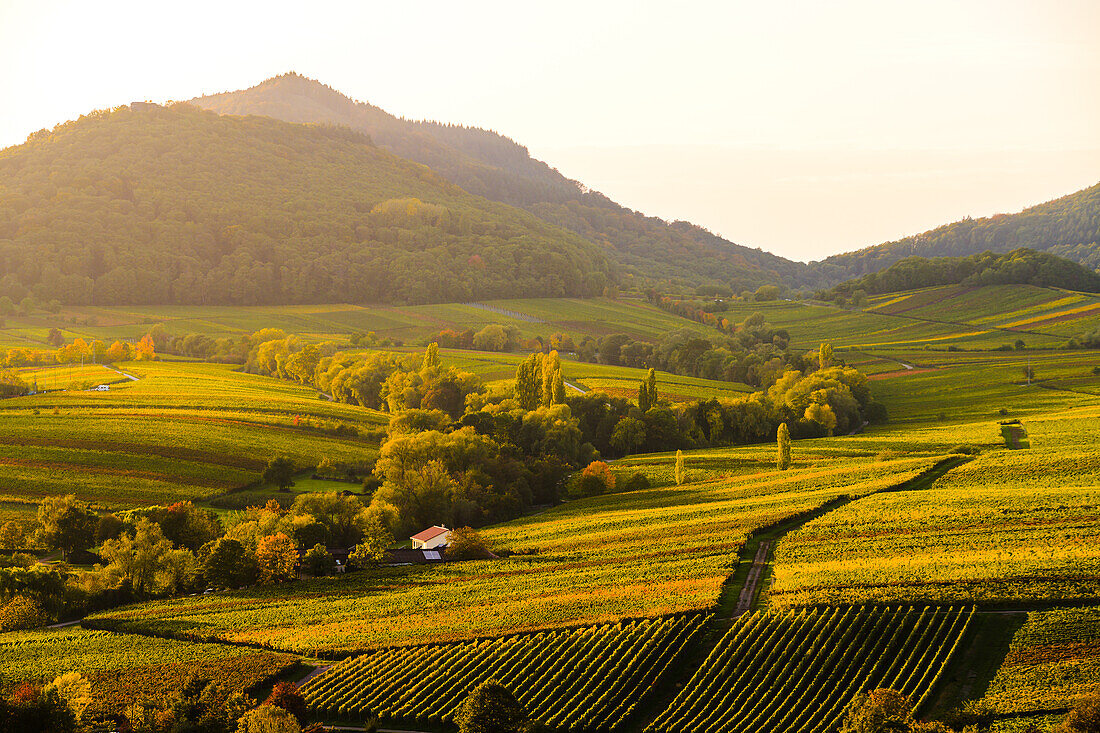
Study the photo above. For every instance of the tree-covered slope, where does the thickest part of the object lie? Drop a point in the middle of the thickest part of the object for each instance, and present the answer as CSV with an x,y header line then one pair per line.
x,y
490,165
1068,226
152,205
1021,266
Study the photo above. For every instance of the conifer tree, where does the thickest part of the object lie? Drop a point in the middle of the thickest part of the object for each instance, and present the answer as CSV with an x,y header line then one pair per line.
x,y
651,387
783,439
680,474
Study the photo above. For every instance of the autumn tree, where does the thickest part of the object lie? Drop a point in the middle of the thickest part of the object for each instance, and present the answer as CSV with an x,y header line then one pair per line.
x,y
277,557
12,535
878,711
268,719
783,441
286,695
1084,717
679,472
825,355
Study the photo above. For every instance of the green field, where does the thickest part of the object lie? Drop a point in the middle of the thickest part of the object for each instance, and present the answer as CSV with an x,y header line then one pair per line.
x,y
182,431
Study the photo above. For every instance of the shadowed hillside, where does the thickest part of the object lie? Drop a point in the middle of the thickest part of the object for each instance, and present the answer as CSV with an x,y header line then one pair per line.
x,y
490,165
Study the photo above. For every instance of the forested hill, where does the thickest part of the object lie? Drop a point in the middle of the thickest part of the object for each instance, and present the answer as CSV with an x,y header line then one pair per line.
x,y
1067,226
158,205
490,165
1021,266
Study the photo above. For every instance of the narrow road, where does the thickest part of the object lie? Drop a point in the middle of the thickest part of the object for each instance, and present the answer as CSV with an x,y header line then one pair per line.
x,y
573,386
317,672
131,377
752,582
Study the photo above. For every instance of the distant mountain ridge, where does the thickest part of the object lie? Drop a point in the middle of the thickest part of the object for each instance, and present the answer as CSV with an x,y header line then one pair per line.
x,y
1068,226
491,165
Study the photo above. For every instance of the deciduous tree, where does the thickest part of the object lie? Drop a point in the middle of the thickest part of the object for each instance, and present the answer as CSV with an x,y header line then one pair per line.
x,y
783,442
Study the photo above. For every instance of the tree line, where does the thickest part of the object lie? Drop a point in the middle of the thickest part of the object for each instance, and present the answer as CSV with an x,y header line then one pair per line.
x,y
1020,266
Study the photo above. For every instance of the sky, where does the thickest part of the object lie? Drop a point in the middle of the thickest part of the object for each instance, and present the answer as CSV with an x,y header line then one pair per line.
x,y
802,128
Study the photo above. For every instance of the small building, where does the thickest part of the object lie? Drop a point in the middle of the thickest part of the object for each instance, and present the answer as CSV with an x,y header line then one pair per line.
x,y
431,538
405,556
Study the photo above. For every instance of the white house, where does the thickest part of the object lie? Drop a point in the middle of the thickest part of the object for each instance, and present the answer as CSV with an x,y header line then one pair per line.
x,y
431,538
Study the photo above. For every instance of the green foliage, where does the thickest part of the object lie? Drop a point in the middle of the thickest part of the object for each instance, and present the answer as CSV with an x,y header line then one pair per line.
x,y
1066,227
878,711
487,164
1023,266
490,708
680,474
318,561
783,454
66,523
227,563
279,472
466,543
318,215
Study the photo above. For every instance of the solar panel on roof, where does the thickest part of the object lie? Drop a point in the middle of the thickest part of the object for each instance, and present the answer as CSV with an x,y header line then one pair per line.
x,y
431,555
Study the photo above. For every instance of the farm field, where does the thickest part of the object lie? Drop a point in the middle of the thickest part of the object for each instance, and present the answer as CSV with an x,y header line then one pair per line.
x,y
127,669
183,431
573,679
799,670
647,553
534,317
1008,527
1053,660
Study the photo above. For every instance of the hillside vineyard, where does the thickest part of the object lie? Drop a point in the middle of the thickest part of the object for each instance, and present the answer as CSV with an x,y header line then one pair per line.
x,y
317,418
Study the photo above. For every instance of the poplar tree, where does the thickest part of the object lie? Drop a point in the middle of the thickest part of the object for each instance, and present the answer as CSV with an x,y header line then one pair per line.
x,y
431,357
651,387
559,389
825,355
643,397
783,439
680,468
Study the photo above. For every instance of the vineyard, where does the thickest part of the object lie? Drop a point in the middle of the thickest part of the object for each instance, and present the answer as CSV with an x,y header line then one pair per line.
x,y
127,669
665,550
1053,660
796,671
588,678
183,431
1009,526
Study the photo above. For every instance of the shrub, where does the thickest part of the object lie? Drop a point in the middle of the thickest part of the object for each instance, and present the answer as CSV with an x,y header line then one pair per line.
x,y
467,544
21,613
636,481
285,695
965,450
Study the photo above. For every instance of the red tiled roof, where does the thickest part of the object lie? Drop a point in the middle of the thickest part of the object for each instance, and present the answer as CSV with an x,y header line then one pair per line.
x,y
429,533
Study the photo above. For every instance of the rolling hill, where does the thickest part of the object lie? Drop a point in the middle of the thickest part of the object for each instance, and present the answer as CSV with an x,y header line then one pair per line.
x,y
175,205
487,164
1068,227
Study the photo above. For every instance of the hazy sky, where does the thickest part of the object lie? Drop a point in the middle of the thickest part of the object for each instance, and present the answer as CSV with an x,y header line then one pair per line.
x,y
804,128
